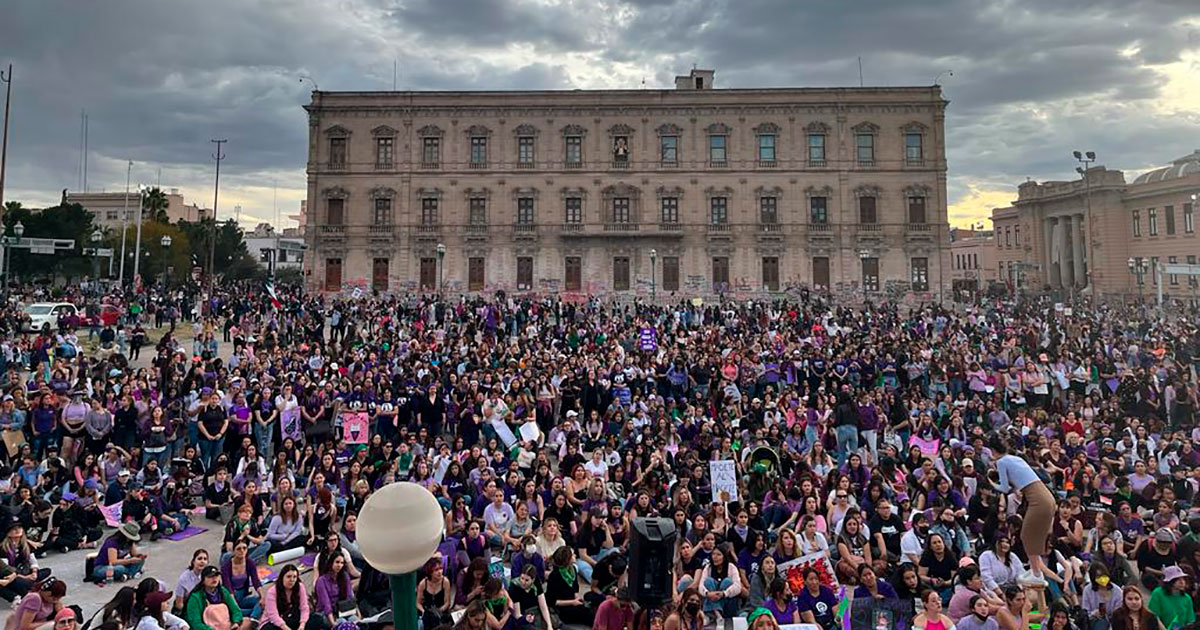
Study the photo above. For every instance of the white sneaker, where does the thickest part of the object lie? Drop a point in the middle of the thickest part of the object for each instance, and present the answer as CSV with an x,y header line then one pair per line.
x,y
1029,578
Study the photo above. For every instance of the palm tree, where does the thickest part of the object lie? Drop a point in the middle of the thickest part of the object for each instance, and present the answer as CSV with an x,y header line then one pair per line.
x,y
156,204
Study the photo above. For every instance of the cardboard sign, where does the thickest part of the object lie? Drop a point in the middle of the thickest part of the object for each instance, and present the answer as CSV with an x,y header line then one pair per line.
x,y
504,433
793,571
724,480
356,427
112,514
290,425
530,432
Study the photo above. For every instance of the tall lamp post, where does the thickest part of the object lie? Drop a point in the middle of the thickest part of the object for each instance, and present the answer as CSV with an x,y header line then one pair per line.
x,y
95,238
654,275
1087,158
441,259
399,529
137,243
1139,267
9,243
166,245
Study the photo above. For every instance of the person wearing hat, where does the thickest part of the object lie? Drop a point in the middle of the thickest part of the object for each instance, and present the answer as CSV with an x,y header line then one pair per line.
x,y
68,526
1170,601
119,558
155,615
211,606
1153,559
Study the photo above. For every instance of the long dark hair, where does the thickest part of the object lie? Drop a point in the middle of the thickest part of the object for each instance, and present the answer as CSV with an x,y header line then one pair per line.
x,y
287,600
120,607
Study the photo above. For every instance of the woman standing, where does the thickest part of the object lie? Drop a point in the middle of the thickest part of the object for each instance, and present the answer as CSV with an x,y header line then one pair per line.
x,y
213,423
1015,475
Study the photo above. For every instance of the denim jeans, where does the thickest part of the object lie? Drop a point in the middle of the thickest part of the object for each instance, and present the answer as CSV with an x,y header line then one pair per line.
x,y
120,571
847,439
585,569
262,437
727,605
210,450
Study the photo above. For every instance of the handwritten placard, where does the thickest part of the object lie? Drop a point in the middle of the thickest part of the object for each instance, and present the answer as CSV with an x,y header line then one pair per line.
x,y
724,480
355,427
112,514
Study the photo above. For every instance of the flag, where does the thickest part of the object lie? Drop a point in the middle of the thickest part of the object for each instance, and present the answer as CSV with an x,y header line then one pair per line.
x,y
270,286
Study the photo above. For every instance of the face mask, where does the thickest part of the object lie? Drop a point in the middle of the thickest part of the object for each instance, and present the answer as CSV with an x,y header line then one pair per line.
x,y
530,549
692,608
1102,581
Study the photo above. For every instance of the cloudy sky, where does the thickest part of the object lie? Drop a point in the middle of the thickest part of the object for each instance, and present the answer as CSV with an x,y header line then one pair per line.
x,y
1032,80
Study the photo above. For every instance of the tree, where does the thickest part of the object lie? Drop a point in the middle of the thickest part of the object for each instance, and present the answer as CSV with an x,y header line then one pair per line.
x,y
154,206
65,221
178,257
230,256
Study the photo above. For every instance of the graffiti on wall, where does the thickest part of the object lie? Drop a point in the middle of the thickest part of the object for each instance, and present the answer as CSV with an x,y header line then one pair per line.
x,y
695,284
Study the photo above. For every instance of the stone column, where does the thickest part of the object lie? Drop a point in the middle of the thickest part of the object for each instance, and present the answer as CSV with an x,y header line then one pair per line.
x,y
1078,250
1052,277
1066,237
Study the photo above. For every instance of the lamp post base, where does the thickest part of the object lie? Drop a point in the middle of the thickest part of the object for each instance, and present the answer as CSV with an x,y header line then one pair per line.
x,y
404,600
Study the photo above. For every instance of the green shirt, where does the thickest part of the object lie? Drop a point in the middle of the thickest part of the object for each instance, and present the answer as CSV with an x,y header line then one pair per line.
x,y
1174,610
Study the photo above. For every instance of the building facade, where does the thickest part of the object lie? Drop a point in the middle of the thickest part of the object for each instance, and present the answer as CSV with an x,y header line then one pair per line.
x,y
972,263
689,191
275,250
107,207
1151,219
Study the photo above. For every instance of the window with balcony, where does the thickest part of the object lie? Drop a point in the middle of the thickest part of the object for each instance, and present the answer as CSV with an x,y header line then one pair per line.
x,y
1152,221
431,151
816,149
620,210
1169,216
870,273
620,155
429,211
335,212
719,210
477,211
383,212
337,152
768,210
867,210
479,155
525,211
574,210
920,274
818,210
384,152
669,149
864,145
1137,222
574,150
766,148
1189,219
525,151
913,153
916,210
717,149
670,210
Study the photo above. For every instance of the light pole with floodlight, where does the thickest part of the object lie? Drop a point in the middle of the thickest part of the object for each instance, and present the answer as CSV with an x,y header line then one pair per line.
x,y
1087,158
166,245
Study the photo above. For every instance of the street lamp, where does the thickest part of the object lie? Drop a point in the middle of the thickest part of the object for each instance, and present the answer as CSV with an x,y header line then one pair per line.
x,y
166,245
18,231
137,244
653,274
1087,158
95,239
863,255
399,529
441,254
1138,267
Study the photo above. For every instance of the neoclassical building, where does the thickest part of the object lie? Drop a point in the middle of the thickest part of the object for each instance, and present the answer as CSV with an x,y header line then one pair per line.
x,y
1042,240
690,191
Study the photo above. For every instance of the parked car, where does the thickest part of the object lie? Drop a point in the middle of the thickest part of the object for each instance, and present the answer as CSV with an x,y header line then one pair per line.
x,y
109,315
42,313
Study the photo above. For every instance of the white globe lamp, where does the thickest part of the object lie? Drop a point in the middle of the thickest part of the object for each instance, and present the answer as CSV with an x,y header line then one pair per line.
x,y
399,529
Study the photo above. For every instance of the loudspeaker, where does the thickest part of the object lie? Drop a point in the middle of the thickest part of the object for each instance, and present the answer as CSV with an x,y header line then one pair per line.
x,y
651,561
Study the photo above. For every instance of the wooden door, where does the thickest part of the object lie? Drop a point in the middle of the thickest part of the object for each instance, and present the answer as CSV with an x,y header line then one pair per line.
x,y
720,274
524,273
333,274
379,274
475,274
821,273
428,274
770,273
574,273
670,273
621,273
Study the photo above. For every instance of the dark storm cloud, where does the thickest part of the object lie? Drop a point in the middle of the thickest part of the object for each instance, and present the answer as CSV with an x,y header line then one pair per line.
x,y
159,79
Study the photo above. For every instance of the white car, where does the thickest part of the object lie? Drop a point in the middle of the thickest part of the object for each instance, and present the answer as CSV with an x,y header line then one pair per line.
x,y
43,313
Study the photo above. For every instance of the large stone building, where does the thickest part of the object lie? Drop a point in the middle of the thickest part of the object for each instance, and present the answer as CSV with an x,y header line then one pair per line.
x,y
972,262
1042,239
107,207
691,191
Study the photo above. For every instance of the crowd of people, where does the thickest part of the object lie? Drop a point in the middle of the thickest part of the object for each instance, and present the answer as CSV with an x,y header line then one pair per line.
x,y
985,468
